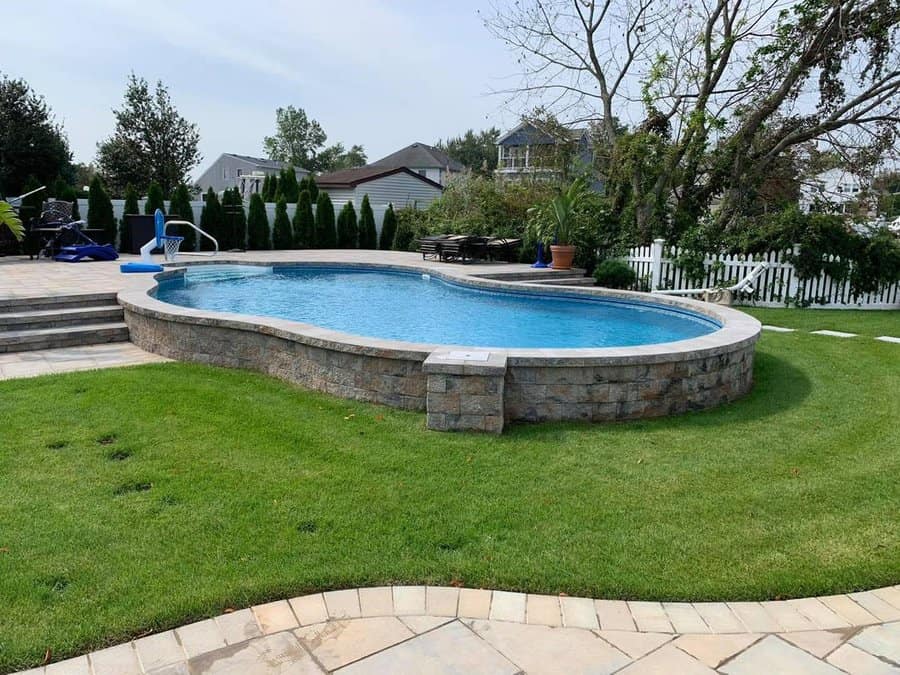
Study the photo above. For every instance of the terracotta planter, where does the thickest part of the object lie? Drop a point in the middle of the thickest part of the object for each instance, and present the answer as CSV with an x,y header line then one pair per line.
x,y
562,257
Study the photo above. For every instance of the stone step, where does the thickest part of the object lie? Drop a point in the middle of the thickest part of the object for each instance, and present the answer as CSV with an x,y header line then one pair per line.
x,y
47,302
580,281
534,274
58,318
71,336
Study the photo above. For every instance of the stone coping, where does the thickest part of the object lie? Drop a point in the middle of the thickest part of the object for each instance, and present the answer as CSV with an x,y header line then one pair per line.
x,y
738,329
712,632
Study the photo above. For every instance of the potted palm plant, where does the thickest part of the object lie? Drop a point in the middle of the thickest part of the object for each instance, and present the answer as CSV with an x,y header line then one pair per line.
x,y
10,220
557,222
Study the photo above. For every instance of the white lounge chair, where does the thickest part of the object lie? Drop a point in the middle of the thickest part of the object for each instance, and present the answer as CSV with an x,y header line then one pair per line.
x,y
723,295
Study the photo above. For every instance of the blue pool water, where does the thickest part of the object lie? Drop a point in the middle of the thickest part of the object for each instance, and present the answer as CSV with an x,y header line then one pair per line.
x,y
405,306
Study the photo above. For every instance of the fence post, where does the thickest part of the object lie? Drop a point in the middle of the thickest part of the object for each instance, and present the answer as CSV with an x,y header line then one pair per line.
x,y
656,250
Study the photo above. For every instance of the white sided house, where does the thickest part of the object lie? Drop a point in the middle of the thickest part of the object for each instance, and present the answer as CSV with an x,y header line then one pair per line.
x,y
400,186
834,191
436,165
243,172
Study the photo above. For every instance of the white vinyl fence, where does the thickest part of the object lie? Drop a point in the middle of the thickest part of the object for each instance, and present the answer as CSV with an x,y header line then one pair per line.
x,y
778,286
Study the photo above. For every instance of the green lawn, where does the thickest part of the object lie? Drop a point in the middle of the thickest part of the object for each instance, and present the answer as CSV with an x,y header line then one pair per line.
x,y
139,499
872,323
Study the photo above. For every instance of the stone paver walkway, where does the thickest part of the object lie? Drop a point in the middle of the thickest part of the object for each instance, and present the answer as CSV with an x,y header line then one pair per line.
x,y
68,359
419,629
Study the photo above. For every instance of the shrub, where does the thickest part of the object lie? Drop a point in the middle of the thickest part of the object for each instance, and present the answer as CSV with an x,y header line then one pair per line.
x,y
234,220
304,222
411,224
180,206
614,273
282,235
269,192
326,237
211,220
312,187
155,199
131,209
368,235
100,212
258,235
388,229
347,229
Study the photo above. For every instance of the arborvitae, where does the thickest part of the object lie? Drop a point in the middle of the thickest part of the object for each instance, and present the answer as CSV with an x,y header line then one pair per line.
x,y
237,217
226,231
59,189
273,190
181,206
282,236
326,237
304,223
290,190
368,236
312,187
211,220
100,212
258,237
264,190
347,228
131,209
69,195
388,228
155,199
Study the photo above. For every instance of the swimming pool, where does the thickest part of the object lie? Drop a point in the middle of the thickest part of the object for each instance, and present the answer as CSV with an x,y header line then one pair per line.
x,y
421,308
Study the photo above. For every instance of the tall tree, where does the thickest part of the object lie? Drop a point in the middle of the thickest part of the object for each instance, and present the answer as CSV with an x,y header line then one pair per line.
x,y
726,88
100,212
212,221
368,234
258,236
388,229
155,199
152,141
304,222
131,208
236,219
180,206
475,151
347,227
31,141
326,236
300,140
282,234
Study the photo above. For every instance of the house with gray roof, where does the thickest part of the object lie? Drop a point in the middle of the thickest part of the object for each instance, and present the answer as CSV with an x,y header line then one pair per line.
x,y
243,172
529,152
423,159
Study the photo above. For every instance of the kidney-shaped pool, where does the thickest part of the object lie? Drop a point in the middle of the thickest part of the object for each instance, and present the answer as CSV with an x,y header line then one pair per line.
x,y
416,307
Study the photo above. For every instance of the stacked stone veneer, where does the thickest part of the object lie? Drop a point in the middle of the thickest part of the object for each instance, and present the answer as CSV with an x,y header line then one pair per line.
x,y
475,393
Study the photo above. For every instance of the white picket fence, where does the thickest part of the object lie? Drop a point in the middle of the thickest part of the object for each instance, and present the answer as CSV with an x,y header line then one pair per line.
x,y
778,286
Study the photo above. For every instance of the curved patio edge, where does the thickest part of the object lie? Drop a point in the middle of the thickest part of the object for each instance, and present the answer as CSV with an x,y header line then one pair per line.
x,y
809,624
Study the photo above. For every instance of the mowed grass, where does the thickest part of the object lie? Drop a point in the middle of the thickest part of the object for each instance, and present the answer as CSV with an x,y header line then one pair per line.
x,y
872,323
139,499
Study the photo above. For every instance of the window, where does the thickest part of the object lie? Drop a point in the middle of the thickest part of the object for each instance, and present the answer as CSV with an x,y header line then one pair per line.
x,y
240,172
423,172
225,173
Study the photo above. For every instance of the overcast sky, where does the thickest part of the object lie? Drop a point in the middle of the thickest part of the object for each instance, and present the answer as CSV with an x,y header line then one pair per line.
x,y
382,73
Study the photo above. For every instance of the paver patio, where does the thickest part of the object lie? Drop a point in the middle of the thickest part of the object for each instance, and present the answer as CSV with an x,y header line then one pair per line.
x,y
325,633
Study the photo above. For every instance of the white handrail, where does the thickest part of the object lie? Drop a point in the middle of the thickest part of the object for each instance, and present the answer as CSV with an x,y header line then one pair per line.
x,y
205,234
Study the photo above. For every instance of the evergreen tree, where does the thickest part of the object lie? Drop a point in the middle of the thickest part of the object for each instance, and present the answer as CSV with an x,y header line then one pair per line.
x,y
368,236
211,220
258,237
269,197
100,212
264,190
236,217
290,190
312,187
131,209
326,237
388,228
347,229
180,206
282,236
304,223
155,200
59,188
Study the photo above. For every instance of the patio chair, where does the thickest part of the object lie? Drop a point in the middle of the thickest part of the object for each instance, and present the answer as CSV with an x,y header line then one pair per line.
x,y
724,295
500,248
